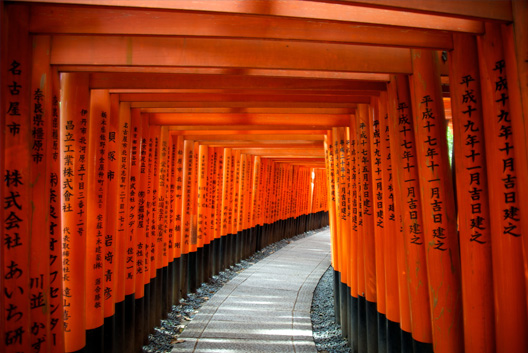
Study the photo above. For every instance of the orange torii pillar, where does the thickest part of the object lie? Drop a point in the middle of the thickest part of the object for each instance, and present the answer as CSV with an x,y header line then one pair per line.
x,y
391,227
186,223
96,211
509,276
515,39
162,254
353,242
152,212
121,232
329,162
219,156
226,172
367,294
378,165
137,228
337,134
202,210
74,125
143,236
30,254
178,211
472,196
440,228
415,314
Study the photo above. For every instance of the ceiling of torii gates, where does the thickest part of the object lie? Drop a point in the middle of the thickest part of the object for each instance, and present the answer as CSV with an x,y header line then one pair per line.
x,y
269,77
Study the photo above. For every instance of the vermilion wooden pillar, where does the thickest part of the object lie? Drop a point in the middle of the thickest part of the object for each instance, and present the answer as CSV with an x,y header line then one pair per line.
x,y
504,198
121,232
472,196
329,161
55,222
414,296
515,41
16,166
178,214
39,266
353,248
516,45
378,165
443,261
110,240
136,225
96,211
74,124
391,229
364,119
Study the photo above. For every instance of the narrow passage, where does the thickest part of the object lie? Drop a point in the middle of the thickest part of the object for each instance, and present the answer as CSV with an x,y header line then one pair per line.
x,y
266,308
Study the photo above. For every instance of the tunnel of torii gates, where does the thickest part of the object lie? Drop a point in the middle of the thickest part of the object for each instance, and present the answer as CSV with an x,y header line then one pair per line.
x,y
146,146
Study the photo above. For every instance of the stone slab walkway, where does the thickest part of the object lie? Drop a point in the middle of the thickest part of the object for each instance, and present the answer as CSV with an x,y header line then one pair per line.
x,y
266,308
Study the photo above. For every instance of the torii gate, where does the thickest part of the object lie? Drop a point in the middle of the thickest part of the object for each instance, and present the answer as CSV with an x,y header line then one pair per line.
x,y
147,145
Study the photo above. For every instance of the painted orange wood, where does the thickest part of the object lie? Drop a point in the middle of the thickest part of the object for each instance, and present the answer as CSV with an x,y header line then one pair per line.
x,y
39,266
439,218
226,53
123,238
16,167
473,210
329,158
517,72
112,202
55,222
201,199
162,229
143,246
331,12
506,236
188,156
74,124
67,19
135,201
96,207
391,224
414,297
378,200
156,259
364,119
178,207
353,244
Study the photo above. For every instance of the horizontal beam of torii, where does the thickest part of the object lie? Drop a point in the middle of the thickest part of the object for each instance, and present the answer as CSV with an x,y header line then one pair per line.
x,y
436,14
57,19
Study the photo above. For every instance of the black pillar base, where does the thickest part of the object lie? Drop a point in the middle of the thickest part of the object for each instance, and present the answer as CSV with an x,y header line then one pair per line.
x,y
393,337
337,300
353,323
343,306
372,326
421,347
109,335
362,324
129,324
95,340
382,332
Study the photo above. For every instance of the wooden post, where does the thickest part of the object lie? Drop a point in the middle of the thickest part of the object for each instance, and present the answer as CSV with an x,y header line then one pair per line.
x,y
364,119
504,203
378,183
515,41
96,211
414,296
39,263
74,124
440,233
473,210
391,226
16,166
